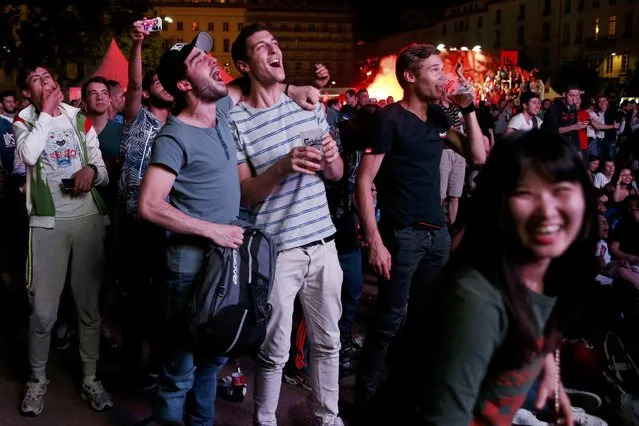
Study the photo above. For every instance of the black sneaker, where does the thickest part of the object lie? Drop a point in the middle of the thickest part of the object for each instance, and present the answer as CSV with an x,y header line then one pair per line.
x,y
62,337
350,348
347,367
144,382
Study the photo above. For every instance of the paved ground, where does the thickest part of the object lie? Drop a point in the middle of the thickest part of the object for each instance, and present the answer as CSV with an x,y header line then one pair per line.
x,y
65,407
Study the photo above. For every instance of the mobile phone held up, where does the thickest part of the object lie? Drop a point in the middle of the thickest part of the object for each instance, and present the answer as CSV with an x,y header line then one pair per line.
x,y
151,25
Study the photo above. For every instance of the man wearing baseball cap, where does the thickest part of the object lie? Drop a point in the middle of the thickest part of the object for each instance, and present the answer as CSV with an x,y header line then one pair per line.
x,y
193,165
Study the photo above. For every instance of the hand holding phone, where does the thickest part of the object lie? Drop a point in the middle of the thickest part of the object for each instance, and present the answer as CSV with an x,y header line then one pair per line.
x,y
150,25
68,185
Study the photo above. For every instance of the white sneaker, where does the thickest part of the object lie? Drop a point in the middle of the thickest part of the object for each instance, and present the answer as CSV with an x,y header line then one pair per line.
x,y
98,398
582,418
34,390
337,422
526,418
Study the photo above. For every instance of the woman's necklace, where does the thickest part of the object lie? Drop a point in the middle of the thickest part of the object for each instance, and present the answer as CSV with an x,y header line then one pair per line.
x,y
560,420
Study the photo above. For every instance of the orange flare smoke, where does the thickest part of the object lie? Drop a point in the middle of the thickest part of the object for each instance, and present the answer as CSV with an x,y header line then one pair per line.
x,y
385,83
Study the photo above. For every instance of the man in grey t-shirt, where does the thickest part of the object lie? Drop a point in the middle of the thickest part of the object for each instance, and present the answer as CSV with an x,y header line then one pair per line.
x,y
192,163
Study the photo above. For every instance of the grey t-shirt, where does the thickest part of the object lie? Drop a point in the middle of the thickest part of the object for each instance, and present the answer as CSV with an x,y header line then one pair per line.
x,y
206,183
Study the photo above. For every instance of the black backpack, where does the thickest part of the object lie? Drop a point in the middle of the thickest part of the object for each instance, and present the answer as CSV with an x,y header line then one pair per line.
x,y
229,307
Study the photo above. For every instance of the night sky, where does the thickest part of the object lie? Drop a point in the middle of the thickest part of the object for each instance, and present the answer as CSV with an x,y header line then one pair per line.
x,y
379,19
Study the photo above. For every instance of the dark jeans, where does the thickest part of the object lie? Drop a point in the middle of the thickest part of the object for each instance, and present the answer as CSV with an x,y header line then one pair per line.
x,y
417,257
188,381
351,263
141,251
608,148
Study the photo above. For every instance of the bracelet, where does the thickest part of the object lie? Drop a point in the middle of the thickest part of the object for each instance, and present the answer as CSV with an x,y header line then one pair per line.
x,y
286,90
470,108
95,171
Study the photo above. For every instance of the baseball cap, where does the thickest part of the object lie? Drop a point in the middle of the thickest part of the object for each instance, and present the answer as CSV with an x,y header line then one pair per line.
x,y
172,67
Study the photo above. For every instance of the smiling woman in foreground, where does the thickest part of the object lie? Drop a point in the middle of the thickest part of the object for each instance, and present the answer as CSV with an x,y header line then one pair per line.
x,y
493,320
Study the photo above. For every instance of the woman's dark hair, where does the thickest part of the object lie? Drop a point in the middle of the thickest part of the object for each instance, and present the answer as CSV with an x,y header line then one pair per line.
x,y
489,244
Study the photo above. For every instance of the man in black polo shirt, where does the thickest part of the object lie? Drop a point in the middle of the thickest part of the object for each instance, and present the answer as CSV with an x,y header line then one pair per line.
x,y
562,116
411,244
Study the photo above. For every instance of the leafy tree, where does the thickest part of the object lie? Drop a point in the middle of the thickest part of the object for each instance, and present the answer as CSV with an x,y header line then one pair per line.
x,y
577,71
64,32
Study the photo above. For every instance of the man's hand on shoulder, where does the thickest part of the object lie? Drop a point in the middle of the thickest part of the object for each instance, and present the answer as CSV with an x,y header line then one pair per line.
x,y
305,96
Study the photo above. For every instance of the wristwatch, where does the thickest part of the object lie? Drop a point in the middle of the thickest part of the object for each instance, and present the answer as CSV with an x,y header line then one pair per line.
x,y
95,171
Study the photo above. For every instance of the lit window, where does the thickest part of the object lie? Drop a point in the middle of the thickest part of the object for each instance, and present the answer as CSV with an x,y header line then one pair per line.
x,y
609,64
612,27
625,63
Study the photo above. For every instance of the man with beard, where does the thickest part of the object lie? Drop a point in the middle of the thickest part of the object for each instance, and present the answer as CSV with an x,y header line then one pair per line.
x,y
411,244
146,109
194,166
8,103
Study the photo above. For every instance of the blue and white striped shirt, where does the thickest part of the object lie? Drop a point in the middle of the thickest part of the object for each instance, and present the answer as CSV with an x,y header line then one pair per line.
x,y
296,212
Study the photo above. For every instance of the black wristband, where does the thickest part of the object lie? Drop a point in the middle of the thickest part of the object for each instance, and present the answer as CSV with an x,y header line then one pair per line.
x,y
95,171
286,90
470,108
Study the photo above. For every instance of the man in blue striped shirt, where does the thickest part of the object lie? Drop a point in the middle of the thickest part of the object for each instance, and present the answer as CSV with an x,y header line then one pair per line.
x,y
281,181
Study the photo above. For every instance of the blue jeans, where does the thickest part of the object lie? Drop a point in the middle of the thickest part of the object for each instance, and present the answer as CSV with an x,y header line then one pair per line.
x,y
351,263
594,148
188,381
608,148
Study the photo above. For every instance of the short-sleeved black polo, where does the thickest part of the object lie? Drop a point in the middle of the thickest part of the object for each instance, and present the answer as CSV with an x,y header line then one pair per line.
x,y
408,179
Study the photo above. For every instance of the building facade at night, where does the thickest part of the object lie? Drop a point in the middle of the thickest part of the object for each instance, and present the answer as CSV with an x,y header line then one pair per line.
x,y
544,32
309,32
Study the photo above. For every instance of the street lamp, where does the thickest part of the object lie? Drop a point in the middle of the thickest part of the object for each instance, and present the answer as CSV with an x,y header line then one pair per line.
x,y
168,19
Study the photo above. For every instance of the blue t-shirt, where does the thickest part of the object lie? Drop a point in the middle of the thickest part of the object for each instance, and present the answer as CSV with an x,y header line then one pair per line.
x,y
206,183
7,146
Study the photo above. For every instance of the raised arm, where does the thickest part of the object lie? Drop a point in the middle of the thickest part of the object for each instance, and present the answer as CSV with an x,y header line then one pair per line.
x,y
471,147
133,98
31,139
